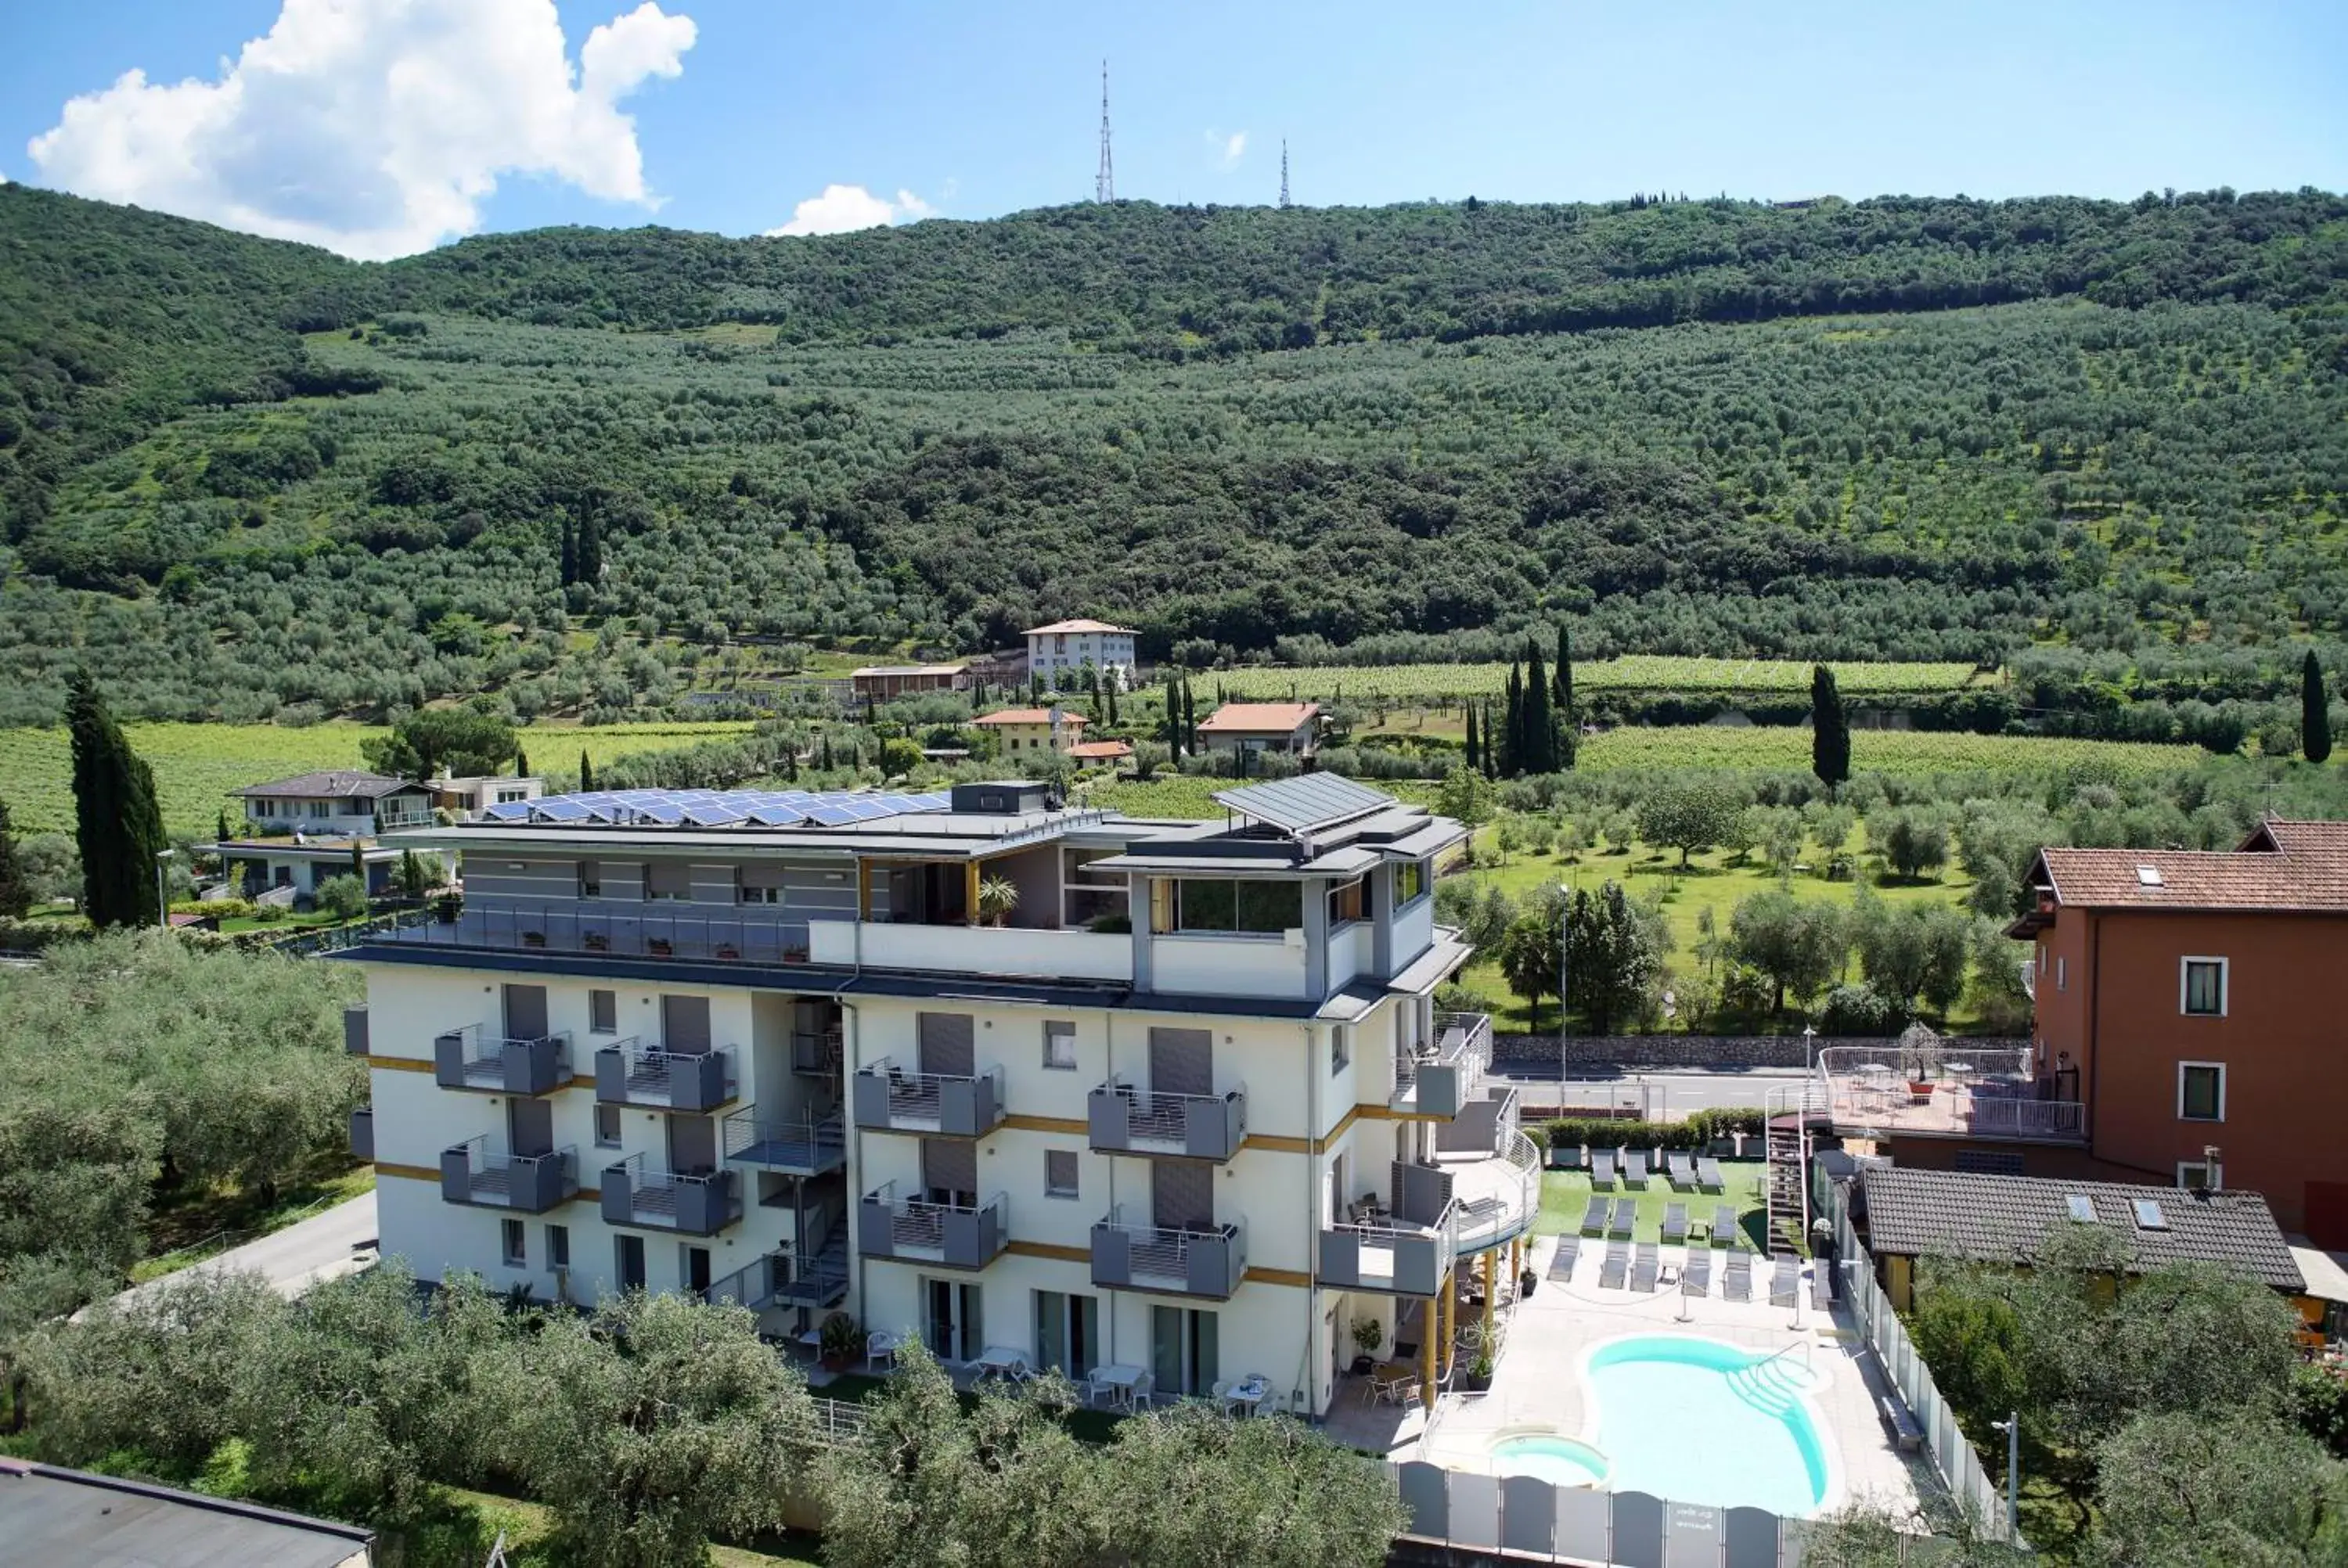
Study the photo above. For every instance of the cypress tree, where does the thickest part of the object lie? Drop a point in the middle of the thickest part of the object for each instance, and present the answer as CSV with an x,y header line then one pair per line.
x,y
1190,718
15,884
1512,727
591,543
219,826
586,771
827,750
1475,763
1491,762
1829,729
521,764
1110,691
2315,710
1541,722
115,823
569,551
1569,723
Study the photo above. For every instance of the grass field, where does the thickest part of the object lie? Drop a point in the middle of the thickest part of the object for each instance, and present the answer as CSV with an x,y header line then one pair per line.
x,y
197,764
1898,752
1565,1193
1647,671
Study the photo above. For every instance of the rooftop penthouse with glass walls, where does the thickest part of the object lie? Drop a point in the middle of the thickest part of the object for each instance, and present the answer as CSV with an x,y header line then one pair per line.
x,y
1306,885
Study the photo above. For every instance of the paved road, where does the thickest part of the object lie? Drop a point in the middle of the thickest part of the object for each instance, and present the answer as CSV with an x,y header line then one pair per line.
x,y
327,1246
1661,1095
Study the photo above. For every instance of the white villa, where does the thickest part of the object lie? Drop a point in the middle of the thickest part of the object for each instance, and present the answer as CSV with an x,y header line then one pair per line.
x,y
1064,648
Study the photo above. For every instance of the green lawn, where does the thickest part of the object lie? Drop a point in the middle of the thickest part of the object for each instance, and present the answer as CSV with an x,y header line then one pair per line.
x,y
1565,1193
475,1518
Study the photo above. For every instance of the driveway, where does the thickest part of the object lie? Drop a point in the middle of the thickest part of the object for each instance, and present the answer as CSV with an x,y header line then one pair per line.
x,y
328,1245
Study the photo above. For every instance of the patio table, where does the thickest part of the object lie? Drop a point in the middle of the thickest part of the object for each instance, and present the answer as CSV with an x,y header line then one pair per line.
x,y
1002,1361
1244,1398
1131,1385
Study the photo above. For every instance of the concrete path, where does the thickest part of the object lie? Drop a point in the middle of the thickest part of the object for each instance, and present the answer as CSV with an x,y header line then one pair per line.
x,y
328,1245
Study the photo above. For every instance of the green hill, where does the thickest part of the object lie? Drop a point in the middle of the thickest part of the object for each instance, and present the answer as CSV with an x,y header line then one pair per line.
x,y
240,478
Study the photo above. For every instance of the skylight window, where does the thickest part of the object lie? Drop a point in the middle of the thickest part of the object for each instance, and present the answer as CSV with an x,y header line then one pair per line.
x,y
2148,876
2149,1215
2082,1207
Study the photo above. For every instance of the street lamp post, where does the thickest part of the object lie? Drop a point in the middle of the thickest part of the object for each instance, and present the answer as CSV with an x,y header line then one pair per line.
x,y
162,900
1564,967
1810,1051
2011,1428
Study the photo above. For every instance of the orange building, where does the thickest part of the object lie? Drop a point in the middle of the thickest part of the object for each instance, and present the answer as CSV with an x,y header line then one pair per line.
x,y
2189,1003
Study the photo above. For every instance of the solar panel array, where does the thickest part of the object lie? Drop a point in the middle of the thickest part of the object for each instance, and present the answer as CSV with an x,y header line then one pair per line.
x,y
1304,802
712,808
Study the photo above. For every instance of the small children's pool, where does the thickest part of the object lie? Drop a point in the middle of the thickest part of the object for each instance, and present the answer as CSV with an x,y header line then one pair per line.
x,y
1560,1461
1702,1420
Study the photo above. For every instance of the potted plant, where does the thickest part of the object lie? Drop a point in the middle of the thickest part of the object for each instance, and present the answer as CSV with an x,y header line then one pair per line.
x,y
997,896
1919,1055
840,1341
1367,1336
446,907
1525,1280
1477,1376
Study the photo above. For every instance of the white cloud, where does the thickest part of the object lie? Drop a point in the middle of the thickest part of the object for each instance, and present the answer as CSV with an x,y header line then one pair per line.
x,y
1229,148
374,128
842,207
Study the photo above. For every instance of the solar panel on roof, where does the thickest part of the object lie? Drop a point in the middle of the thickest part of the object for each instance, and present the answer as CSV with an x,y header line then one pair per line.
x,y
777,815
716,807
707,816
830,816
509,811
558,809
663,812
1305,802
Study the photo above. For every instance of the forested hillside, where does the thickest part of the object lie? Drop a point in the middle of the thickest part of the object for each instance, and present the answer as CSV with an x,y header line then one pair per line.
x,y
242,479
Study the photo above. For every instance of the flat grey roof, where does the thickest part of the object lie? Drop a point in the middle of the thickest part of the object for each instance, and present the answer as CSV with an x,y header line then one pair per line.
x,y
50,1515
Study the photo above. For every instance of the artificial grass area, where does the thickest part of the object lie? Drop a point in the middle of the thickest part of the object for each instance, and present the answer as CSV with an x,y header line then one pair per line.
x,y
1565,1193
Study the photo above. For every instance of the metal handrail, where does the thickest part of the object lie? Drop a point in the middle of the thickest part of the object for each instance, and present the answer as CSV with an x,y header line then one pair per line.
x,y
746,1128
917,1095
1164,1251
921,1222
650,1067
1164,1117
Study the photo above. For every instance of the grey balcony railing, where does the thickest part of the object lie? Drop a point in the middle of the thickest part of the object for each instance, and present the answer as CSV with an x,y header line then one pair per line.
x,y
636,1192
1205,1261
1941,1090
1125,1119
629,930
473,1173
806,1146
887,1099
354,1031
779,1279
1392,1255
631,1072
473,1058
1437,1078
956,1235
363,1134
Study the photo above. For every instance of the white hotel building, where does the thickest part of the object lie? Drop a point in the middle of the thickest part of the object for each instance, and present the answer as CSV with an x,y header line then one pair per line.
x,y
1189,1110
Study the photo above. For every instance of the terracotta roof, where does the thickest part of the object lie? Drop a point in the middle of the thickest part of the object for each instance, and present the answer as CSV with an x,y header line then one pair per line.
x,y
340,784
2006,1219
1034,716
1061,626
1249,717
2283,865
1099,750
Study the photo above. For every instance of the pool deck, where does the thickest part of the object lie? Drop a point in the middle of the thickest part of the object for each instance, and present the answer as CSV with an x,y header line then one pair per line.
x,y
1537,1388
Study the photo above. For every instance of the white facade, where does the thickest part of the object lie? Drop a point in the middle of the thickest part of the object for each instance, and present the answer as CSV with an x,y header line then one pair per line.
x,y
1009,1172
1063,649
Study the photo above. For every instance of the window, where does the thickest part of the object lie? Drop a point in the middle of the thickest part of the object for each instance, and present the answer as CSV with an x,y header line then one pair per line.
x,y
1059,1173
2202,988
2202,1091
558,1246
760,895
666,879
1341,1047
513,1242
1265,908
2062,974
591,879
1410,881
1349,901
2196,1176
603,1012
1059,1045
628,1261
607,1126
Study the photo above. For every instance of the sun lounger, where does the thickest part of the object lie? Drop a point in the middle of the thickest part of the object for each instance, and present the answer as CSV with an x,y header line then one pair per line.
x,y
1736,1281
1634,1166
1593,1218
1675,1223
1787,1281
1616,1269
1560,1262
1602,1167
1644,1265
1723,1225
1626,1214
1821,1287
1695,1279
1707,1174
1682,1168
1656,1166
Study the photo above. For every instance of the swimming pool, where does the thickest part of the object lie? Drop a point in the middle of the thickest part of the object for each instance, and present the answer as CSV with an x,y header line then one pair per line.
x,y
1702,1420
1559,1460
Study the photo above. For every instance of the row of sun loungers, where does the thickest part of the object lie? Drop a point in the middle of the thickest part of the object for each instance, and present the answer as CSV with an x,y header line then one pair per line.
x,y
1602,1216
1685,1172
1626,1265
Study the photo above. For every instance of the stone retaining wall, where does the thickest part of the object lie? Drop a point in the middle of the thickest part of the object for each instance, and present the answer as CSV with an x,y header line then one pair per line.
x,y
1709,1050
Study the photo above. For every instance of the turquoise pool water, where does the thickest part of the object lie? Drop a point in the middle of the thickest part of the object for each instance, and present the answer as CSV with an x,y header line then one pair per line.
x,y
1699,1421
1560,1461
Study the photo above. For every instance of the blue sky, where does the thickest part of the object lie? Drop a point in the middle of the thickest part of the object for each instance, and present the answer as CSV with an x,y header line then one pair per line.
x,y
741,109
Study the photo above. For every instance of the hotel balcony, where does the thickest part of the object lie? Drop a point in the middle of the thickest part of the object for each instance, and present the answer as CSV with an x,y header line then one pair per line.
x,y
887,1099
913,1230
363,1134
1023,952
779,1279
792,1146
471,1058
473,1173
641,1195
1943,1092
631,1072
1438,1078
1128,1120
1402,1257
1207,1262
1467,1202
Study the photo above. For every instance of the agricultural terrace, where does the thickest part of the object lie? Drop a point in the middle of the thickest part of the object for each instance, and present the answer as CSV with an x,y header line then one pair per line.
x,y
1406,684
197,764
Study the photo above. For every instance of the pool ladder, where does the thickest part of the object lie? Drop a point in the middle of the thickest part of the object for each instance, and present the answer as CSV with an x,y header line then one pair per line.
x,y
1775,1393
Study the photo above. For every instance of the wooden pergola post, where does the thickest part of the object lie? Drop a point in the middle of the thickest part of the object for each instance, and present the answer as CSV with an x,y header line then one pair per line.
x,y
1491,1293
1426,1331
970,892
864,889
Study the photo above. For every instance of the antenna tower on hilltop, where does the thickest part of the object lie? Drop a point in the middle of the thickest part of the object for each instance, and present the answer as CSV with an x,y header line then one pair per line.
x,y
1105,183
1283,171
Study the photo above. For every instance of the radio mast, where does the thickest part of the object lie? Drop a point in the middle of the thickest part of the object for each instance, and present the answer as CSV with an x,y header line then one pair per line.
x,y
1105,183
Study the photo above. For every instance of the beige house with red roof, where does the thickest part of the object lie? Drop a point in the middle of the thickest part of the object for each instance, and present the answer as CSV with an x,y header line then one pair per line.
x,y
1033,732
1057,653
1262,727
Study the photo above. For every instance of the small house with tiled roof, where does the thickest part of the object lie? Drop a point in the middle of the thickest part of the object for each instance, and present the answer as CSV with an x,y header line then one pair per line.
x,y
2188,1004
1033,733
1262,727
